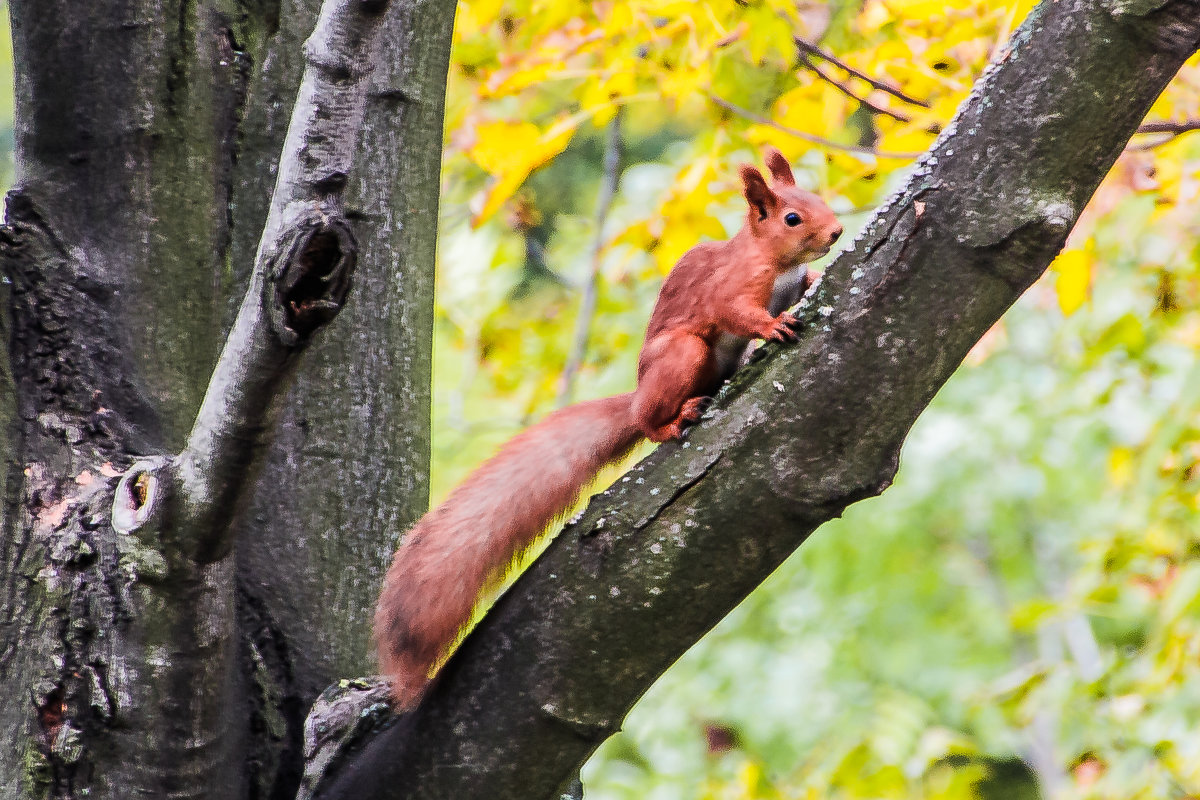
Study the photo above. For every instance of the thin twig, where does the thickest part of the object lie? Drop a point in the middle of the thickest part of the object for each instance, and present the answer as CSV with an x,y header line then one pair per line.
x,y
846,90
587,304
1165,131
808,137
1173,128
809,47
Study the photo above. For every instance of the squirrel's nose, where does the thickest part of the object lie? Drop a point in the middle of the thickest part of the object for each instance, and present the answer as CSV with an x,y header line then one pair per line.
x,y
834,234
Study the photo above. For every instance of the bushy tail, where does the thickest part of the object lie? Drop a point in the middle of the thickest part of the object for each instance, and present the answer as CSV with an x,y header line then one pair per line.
x,y
458,548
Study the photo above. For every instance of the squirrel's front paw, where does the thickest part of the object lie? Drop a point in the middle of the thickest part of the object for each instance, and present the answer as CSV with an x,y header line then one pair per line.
x,y
783,328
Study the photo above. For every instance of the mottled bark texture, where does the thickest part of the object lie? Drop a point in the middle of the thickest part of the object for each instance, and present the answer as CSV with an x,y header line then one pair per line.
x,y
140,650
658,559
348,470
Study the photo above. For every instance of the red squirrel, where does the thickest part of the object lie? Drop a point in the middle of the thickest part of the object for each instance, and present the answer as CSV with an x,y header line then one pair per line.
x,y
718,290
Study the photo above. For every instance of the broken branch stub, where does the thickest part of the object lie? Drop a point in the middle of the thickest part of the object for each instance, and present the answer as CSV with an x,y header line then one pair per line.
x,y
139,493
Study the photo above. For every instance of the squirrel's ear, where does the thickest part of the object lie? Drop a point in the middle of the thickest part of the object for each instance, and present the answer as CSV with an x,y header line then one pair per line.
x,y
758,194
781,170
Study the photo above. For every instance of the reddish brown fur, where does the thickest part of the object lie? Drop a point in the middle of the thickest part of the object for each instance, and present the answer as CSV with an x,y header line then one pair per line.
x,y
463,545
726,287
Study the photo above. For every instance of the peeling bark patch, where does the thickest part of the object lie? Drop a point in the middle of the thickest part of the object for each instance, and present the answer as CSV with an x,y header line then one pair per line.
x,y
70,702
72,371
312,279
59,753
80,417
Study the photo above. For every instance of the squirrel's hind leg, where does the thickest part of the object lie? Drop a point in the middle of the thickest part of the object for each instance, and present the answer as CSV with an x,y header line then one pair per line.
x,y
679,369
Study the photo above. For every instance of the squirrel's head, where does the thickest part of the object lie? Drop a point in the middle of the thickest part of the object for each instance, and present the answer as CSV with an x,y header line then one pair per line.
x,y
790,225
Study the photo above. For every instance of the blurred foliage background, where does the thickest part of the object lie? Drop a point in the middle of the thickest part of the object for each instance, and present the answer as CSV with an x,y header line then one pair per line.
x,y
1019,616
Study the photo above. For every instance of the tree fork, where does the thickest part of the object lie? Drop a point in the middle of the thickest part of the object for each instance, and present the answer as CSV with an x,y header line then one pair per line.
x,y
301,277
130,559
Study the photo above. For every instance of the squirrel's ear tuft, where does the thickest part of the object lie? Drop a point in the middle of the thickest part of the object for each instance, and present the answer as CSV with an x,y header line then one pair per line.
x,y
780,169
758,194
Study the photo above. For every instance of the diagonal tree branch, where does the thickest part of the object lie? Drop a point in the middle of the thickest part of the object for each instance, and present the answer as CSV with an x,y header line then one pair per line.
x,y
1167,131
658,559
1172,128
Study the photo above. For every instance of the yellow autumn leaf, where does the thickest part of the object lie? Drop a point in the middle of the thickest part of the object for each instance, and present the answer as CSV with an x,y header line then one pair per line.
x,y
750,776
855,165
509,151
602,96
638,237
919,9
1121,467
769,37
552,15
905,138
1072,279
816,108
835,109
686,82
890,50
873,17
619,19
478,14
511,82
759,135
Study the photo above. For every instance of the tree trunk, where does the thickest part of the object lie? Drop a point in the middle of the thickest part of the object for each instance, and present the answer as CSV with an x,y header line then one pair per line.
x,y
133,660
349,467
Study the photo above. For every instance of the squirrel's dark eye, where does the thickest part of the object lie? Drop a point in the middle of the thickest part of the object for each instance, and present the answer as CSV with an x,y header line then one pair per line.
x,y
792,219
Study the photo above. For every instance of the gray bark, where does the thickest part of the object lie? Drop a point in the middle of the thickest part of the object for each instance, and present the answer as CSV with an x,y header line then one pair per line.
x,y
127,664
658,559
348,469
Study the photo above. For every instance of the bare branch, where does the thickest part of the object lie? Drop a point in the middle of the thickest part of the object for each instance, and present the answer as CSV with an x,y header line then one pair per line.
x,y
846,90
1167,132
1174,128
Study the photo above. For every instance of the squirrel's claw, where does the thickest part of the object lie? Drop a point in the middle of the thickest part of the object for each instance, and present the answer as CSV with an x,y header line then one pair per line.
x,y
783,328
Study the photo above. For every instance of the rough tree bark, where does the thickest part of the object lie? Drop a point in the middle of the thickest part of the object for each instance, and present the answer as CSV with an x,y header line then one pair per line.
x,y
658,559
148,648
